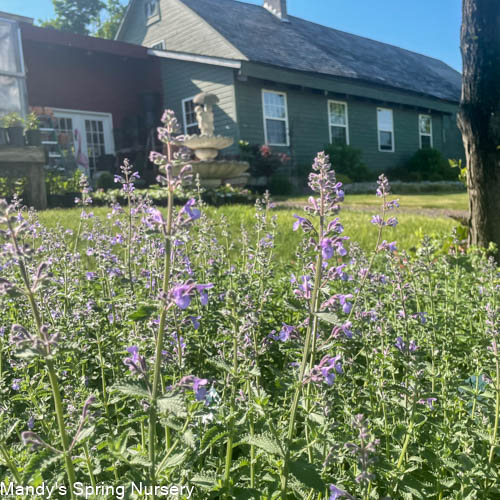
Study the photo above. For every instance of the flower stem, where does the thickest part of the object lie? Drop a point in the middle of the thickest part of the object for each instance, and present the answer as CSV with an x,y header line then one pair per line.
x,y
159,339
10,464
497,407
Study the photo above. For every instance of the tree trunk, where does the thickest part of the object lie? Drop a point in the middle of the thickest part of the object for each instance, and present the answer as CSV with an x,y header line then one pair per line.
x,y
479,117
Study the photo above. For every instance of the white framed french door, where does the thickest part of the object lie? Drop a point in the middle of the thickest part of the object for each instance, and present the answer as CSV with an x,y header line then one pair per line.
x,y
86,135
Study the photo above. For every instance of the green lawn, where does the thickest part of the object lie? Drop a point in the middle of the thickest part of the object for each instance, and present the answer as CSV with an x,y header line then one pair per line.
x,y
357,225
450,201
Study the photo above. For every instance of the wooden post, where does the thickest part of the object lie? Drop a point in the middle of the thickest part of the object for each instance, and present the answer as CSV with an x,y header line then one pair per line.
x,y
28,162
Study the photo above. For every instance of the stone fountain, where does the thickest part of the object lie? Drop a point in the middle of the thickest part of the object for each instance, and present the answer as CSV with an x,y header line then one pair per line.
x,y
206,147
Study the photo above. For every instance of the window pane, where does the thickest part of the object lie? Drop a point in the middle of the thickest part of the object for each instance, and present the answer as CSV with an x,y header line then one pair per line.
x,y
425,124
192,129
276,132
10,95
191,121
339,136
385,140
338,113
426,141
9,50
384,119
274,105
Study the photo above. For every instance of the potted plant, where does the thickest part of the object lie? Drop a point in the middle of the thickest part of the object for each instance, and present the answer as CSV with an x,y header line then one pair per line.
x,y
15,130
33,134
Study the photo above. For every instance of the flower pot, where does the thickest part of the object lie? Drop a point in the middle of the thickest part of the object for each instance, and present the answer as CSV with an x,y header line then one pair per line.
x,y
34,137
3,136
16,136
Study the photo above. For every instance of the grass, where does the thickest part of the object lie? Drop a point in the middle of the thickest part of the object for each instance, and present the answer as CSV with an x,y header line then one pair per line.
x,y
451,201
408,233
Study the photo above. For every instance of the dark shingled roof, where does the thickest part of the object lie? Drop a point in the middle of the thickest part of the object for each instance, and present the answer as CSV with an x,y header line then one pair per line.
x,y
306,46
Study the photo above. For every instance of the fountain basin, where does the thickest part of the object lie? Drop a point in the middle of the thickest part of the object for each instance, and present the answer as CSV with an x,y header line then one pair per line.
x,y
217,173
207,147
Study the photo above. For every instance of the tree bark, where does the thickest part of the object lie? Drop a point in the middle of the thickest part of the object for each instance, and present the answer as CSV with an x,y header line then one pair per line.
x,y
479,117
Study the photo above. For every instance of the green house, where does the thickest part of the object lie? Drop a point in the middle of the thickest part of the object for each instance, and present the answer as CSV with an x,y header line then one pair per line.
x,y
296,85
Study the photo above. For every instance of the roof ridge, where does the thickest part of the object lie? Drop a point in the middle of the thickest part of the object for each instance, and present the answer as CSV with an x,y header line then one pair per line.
x,y
291,17
365,38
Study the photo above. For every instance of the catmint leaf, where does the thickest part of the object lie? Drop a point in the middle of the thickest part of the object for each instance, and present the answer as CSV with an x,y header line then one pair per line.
x,y
204,480
132,389
85,433
173,461
38,463
143,312
307,475
173,404
264,441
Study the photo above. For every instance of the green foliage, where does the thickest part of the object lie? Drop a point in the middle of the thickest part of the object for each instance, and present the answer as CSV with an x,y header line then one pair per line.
x,y
348,161
426,164
87,17
10,186
12,119
114,12
280,185
462,176
32,122
105,181
57,184
75,15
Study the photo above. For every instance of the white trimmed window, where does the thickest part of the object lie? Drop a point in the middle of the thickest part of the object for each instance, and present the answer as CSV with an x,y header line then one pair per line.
x,y
151,8
425,131
159,45
385,127
189,117
275,118
339,123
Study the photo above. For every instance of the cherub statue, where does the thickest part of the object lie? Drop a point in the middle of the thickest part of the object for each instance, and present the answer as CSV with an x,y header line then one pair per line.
x,y
204,112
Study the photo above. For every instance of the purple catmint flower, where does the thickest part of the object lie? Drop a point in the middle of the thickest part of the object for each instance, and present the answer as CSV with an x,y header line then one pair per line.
x,y
200,391
195,321
383,188
389,247
302,222
400,344
428,401
305,288
392,222
181,295
31,423
346,306
192,213
346,329
196,384
202,290
326,245
337,493
286,332
15,384
377,220
91,275
326,370
136,363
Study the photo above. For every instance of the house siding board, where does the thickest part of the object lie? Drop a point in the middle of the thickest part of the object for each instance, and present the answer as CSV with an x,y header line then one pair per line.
x,y
308,124
344,86
182,79
180,28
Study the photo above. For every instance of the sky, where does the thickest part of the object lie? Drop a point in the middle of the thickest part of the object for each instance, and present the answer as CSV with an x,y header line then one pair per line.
x,y
430,27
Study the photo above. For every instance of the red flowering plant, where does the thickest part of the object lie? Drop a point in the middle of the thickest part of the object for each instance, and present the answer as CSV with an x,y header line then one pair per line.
x,y
264,162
